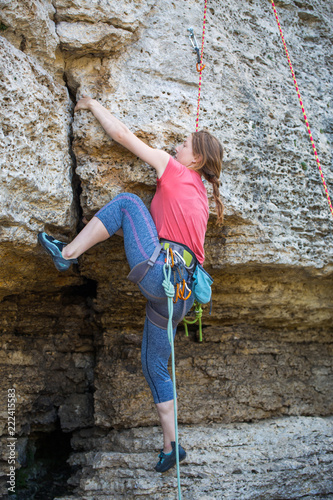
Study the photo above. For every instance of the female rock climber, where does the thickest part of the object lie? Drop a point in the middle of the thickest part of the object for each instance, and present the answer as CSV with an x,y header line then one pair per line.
x,y
177,219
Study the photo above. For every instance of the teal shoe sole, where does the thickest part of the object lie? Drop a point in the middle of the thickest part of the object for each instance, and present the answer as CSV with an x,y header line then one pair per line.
x,y
51,246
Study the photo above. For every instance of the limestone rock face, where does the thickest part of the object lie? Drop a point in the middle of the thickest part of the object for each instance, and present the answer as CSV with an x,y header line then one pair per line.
x,y
86,38
29,25
268,460
236,374
36,166
126,15
269,179
70,343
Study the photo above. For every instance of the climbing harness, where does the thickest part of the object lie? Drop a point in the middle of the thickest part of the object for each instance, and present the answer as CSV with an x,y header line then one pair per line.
x,y
199,65
169,292
180,254
184,251
302,106
140,270
181,257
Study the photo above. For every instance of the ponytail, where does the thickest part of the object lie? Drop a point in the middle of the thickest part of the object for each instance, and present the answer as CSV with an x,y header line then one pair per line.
x,y
210,149
218,202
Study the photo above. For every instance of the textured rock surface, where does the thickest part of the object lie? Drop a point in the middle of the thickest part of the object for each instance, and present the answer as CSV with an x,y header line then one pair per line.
x,y
36,167
249,102
284,458
70,343
29,26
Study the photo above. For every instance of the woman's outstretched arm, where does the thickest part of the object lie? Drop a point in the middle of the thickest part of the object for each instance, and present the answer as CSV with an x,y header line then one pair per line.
x,y
157,158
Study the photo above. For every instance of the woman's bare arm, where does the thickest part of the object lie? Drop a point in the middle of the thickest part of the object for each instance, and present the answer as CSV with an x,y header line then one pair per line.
x,y
157,158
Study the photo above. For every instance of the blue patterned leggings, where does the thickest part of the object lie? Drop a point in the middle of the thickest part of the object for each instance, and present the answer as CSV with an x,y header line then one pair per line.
x,y
127,211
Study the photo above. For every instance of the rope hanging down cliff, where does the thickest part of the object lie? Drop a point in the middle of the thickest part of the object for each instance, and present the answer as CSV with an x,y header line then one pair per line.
x,y
169,292
200,66
302,106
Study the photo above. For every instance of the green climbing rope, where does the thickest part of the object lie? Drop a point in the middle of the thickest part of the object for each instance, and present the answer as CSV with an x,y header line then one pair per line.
x,y
169,292
198,315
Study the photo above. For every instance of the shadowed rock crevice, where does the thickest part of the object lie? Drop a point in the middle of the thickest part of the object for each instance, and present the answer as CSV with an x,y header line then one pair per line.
x,y
50,361
76,181
45,471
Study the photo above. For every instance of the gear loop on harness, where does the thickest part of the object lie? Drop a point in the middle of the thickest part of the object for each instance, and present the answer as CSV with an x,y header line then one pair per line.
x,y
172,260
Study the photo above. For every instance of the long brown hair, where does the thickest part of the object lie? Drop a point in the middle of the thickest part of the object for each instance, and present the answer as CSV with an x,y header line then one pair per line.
x,y
211,152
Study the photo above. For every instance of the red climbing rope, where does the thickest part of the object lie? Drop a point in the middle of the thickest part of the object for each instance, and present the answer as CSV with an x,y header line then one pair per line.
x,y
201,67
301,103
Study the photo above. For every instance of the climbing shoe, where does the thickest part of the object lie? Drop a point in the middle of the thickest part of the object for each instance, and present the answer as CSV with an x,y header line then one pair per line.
x,y
168,460
54,247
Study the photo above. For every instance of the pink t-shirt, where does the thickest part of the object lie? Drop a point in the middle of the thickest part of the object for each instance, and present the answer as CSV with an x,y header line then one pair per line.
x,y
180,207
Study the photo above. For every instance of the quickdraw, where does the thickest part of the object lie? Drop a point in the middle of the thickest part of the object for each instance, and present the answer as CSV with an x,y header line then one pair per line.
x,y
180,291
199,64
182,287
195,46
